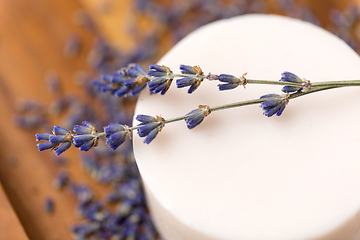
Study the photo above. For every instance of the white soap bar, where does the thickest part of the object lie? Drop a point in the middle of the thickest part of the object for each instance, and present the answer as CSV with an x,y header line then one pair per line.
x,y
241,175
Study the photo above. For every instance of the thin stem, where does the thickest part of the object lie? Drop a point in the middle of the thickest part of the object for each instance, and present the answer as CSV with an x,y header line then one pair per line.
x,y
256,101
245,103
282,83
270,82
238,104
337,83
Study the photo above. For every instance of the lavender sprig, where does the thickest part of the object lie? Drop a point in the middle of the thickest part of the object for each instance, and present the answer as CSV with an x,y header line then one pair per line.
x,y
133,79
85,137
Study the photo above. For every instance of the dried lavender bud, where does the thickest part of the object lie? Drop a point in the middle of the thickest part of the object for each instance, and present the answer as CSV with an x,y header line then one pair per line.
x,y
150,127
197,116
59,135
49,205
86,136
116,135
160,84
290,77
232,82
275,105
186,69
158,71
193,82
162,81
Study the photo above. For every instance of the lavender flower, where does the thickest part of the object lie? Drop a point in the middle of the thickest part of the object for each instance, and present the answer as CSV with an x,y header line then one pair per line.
x,y
49,205
150,126
274,105
158,71
116,134
83,230
231,81
47,145
86,136
186,69
162,81
58,136
107,83
61,180
129,80
138,79
290,77
197,116
192,81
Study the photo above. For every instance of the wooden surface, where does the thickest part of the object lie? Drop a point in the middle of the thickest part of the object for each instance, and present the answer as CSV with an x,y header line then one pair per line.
x,y
32,37
10,227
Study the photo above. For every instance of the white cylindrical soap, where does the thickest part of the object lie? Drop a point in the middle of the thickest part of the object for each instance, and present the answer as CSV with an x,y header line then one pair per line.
x,y
240,175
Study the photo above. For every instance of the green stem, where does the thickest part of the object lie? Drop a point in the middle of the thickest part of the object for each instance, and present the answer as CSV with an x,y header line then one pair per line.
x,y
270,82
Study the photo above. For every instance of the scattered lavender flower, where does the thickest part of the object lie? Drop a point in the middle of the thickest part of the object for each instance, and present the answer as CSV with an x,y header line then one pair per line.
x,y
86,136
116,134
49,205
61,180
192,81
72,46
274,105
30,121
82,17
81,231
149,126
53,82
197,116
60,160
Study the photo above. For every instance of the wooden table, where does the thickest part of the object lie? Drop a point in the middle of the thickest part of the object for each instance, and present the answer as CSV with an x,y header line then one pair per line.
x,y
32,37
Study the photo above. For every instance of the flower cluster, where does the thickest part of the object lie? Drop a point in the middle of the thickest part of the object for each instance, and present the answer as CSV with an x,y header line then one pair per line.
x,y
231,81
196,76
59,140
130,80
116,134
163,79
274,104
83,137
149,126
195,117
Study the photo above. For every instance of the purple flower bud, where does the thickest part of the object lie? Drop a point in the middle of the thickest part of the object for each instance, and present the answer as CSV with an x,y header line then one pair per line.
x,y
116,134
197,116
290,77
274,105
149,127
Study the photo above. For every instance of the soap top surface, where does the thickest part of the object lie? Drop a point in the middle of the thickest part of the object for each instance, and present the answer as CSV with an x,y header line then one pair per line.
x,y
240,174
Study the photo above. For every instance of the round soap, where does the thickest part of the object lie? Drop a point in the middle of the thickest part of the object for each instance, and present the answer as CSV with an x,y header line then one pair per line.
x,y
239,174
